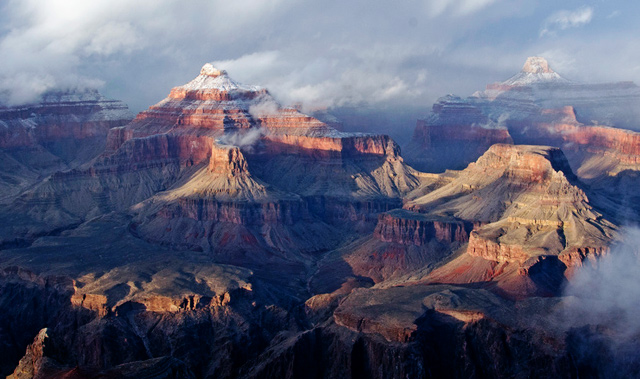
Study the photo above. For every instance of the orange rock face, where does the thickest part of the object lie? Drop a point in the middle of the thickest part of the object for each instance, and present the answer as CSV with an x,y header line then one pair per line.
x,y
494,251
93,302
331,147
561,124
227,161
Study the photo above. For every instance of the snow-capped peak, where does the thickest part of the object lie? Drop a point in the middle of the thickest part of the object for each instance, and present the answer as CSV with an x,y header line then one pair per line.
x,y
536,70
211,78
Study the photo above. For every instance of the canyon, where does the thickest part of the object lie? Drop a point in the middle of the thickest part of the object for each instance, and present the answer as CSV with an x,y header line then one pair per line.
x,y
220,234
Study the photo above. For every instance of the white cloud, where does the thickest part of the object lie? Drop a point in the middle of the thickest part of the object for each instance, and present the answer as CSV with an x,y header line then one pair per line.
x,y
246,66
607,292
114,37
565,19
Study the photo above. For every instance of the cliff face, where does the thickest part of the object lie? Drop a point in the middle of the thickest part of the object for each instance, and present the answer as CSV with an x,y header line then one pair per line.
x,y
448,331
132,339
413,229
330,144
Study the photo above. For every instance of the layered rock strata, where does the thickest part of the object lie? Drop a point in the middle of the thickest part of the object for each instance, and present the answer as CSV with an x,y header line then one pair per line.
x,y
62,131
524,204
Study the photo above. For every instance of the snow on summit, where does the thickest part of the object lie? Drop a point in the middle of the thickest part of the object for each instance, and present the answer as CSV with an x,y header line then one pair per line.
x,y
536,70
211,78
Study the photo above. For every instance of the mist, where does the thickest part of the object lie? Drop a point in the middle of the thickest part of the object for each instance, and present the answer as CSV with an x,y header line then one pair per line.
x,y
264,107
600,309
608,291
245,140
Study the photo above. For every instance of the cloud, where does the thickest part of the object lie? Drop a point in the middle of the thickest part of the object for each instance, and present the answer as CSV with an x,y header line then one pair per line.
x,y
496,123
565,19
265,107
245,140
114,37
607,292
613,14
325,82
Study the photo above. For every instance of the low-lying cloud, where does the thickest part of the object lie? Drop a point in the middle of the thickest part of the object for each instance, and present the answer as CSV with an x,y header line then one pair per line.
x,y
497,123
264,107
245,140
599,312
607,292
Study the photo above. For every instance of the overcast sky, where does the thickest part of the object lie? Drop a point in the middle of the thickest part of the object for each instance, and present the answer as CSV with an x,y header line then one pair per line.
x,y
318,53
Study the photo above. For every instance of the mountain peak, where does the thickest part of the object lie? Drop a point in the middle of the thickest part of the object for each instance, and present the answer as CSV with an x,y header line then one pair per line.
x,y
209,70
537,65
213,80
536,70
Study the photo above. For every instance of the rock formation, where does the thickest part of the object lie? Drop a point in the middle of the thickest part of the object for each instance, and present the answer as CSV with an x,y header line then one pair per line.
x,y
216,153
526,204
64,130
516,221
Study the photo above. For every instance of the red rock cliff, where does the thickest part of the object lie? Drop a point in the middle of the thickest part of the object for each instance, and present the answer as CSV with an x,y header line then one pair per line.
x,y
410,228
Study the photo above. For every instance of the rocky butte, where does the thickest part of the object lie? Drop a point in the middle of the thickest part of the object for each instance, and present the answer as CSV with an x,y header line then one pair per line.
x,y
64,130
220,234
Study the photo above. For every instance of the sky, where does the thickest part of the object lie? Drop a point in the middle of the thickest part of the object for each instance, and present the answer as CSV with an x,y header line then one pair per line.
x,y
320,54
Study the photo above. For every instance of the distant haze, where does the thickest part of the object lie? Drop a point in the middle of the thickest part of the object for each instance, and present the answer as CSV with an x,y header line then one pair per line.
x,y
395,56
